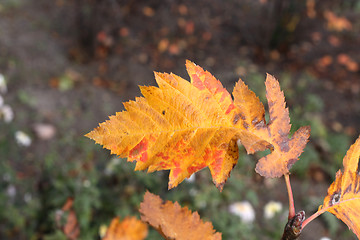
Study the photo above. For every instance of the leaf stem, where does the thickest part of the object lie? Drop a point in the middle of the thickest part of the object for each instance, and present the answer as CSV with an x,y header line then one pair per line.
x,y
291,198
312,217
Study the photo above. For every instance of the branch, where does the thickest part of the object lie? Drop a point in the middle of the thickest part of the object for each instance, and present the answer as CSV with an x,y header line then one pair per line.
x,y
293,227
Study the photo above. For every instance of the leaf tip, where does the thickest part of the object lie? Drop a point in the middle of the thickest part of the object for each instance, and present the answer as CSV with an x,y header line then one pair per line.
x,y
220,186
157,75
270,77
147,194
307,129
88,135
273,86
189,63
95,135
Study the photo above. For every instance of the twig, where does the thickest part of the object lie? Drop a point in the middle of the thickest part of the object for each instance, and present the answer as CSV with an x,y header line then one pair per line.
x,y
293,227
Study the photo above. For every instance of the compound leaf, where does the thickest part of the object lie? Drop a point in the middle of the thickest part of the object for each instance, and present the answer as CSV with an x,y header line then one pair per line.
x,y
186,126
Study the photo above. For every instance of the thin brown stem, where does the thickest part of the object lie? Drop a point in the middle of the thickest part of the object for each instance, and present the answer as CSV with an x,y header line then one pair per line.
x,y
291,197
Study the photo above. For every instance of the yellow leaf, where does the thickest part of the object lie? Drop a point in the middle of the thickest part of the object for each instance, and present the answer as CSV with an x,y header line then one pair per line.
x,y
128,229
343,198
180,126
251,115
175,222
186,126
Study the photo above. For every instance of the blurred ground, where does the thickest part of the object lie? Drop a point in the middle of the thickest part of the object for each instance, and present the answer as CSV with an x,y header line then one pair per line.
x,y
69,64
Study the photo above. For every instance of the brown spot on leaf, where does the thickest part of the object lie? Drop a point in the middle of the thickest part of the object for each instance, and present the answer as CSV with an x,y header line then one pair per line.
x,y
291,162
258,122
271,104
224,146
284,145
237,117
348,189
271,147
357,185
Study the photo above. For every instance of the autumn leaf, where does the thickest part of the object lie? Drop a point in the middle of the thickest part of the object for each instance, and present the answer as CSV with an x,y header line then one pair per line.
x,y
175,222
186,126
251,115
343,198
180,126
285,150
128,229
274,135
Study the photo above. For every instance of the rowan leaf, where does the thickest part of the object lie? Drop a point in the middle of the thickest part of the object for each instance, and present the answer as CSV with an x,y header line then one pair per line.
x,y
285,150
129,228
175,222
343,197
180,126
186,126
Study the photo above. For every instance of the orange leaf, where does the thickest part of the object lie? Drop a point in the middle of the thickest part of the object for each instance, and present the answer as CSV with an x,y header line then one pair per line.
x,y
128,229
251,116
179,126
175,222
343,198
185,126
285,151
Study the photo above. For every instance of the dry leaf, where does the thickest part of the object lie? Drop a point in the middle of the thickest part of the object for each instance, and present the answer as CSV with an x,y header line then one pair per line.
x,y
128,229
175,222
285,150
343,198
